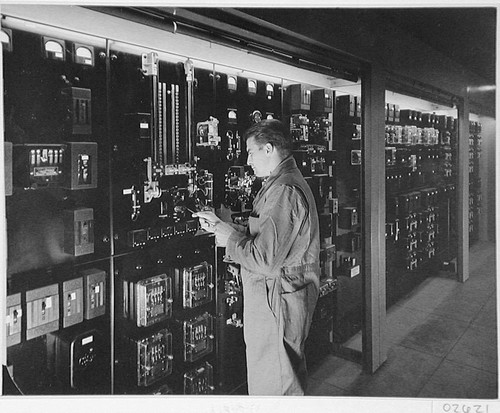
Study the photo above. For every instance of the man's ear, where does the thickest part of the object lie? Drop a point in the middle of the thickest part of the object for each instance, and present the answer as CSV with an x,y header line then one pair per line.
x,y
269,148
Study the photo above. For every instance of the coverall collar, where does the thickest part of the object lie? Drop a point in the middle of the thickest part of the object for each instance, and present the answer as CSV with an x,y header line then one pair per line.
x,y
284,166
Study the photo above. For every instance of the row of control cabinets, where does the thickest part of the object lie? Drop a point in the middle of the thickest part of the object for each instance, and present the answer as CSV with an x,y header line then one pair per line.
x,y
475,194
421,196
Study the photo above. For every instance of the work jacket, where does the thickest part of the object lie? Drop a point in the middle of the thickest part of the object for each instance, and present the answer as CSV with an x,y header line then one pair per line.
x,y
279,258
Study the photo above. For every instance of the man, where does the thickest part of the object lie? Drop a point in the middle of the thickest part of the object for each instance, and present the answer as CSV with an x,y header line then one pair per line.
x,y
279,258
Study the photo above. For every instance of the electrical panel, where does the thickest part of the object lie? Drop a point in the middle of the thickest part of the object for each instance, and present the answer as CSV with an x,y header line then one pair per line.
x,y
113,151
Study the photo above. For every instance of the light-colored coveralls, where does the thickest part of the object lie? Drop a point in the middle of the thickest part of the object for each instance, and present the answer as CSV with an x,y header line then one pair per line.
x,y
279,258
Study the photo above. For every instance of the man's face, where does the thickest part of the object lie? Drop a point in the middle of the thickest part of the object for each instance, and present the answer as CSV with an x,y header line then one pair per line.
x,y
258,158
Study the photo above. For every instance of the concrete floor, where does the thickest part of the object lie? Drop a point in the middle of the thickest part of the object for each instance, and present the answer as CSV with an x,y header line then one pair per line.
x,y
441,341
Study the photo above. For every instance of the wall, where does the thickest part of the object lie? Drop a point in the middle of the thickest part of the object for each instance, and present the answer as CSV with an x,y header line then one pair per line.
x,y
488,173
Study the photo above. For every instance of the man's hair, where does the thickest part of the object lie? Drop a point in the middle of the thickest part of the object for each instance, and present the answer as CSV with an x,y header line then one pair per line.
x,y
271,131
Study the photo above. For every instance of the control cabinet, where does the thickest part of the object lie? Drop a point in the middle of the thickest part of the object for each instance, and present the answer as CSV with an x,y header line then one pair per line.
x,y
113,287
475,194
421,159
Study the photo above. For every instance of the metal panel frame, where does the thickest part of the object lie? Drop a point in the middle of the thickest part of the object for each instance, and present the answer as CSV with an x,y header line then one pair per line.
x,y
373,97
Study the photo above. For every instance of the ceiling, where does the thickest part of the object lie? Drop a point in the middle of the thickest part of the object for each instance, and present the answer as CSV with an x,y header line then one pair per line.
x,y
464,34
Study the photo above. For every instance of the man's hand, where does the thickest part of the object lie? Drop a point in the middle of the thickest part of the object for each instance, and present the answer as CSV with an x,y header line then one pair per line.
x,y
208,220
212,223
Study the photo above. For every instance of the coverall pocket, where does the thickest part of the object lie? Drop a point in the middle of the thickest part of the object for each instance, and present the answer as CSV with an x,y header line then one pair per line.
x,y
273,295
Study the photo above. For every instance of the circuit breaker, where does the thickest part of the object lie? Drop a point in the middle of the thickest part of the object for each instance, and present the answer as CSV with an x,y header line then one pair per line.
x,y
94,284
72,302
79,231
42,311
81,165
